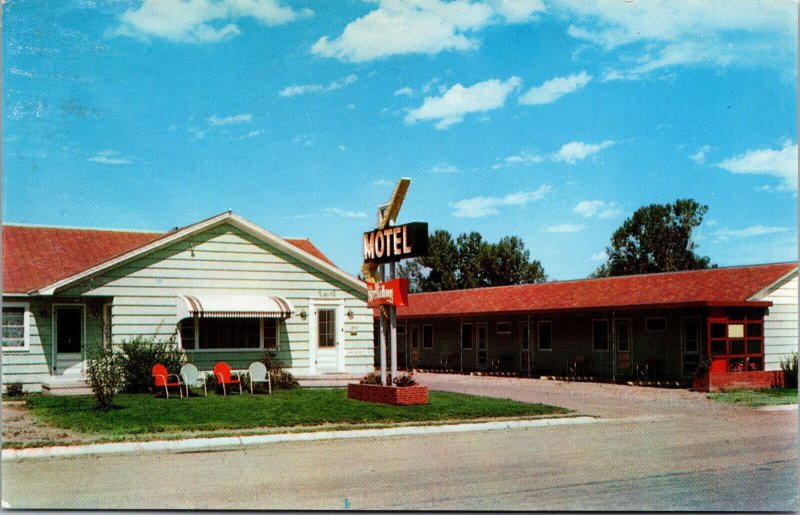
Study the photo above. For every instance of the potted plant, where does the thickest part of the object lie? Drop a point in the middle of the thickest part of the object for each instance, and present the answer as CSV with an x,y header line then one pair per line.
x,y
401,391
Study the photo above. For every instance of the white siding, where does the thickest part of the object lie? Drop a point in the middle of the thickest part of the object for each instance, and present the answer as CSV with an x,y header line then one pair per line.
x,y
780,325
226,259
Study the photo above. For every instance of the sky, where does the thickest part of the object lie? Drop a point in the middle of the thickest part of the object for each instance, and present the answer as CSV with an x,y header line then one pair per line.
x,y
551,120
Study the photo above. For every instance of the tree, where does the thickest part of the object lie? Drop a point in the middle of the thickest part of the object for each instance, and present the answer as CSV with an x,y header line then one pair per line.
x,y
472,251
470,262
441,261
656,238
508,262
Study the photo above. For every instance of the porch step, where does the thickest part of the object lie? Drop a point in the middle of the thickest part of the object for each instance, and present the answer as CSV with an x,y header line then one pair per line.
x,y
328,380
66,386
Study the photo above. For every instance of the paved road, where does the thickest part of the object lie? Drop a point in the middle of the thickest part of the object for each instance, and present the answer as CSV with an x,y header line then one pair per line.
x,y
731,459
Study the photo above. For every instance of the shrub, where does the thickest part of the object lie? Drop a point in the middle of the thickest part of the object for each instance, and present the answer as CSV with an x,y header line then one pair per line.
x,y
104,373
15,389
371,378
789,367
281,378
405,380
140,354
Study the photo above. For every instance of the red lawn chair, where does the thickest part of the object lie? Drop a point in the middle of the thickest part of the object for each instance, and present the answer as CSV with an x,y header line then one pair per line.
x,y
163,378
223,374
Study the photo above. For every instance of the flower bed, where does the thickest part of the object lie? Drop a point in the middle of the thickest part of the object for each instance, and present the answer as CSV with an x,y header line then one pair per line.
x,y
719,381
395,395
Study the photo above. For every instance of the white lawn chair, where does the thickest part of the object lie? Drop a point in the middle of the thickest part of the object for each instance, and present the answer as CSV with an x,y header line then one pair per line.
x,y
193,377
258,373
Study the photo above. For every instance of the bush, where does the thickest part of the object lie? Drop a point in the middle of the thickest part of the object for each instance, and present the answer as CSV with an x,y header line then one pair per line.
x,y
405,380
371,378
104,373
789,367
281,378
140,354
14,389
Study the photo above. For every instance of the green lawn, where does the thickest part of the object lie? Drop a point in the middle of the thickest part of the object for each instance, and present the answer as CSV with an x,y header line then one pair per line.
x,y
754,398
137,414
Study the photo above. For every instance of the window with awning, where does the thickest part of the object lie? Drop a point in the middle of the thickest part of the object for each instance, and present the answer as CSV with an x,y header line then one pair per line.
x,y
231,322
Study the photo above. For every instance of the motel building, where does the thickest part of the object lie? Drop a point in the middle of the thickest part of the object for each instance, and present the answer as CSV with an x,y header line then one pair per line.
x,y
223,288
743,320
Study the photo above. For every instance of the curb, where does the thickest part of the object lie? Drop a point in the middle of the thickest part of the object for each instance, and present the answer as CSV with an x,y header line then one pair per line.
x,y
779,407
239,441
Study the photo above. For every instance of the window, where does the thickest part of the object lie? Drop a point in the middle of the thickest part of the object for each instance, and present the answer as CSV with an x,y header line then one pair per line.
x,y
599,335
270,333
655,325
15,326
503,328
427,336
228,333
524,337
545,336
466,336
690,338
738,342
107,324
326,328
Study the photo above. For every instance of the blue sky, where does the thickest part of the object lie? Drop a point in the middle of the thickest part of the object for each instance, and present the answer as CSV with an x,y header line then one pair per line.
x,y
550,120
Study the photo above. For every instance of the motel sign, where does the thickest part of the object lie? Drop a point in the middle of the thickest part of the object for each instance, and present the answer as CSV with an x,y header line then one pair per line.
x,y
394,243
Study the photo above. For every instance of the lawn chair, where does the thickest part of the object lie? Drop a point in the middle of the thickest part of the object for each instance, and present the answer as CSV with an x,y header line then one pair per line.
x,y
258,373
222,371
162,378
192,377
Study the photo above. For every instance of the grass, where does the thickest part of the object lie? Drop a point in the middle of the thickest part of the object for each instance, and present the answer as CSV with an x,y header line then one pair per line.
x,y
138,414
753,398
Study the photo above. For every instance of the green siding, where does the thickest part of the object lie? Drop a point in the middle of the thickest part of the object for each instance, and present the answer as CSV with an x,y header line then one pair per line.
x,y
226,259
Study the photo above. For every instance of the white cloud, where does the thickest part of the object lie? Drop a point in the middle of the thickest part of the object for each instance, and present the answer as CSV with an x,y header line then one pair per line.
x,y
576,151
597,208
600,256
655,35
445,168
398,27
477,207
699,157
748,232
109,157
302,89
554,89
565,228
382,182
230,120
251,134
199,21
780,163
344,213
458,101
406,91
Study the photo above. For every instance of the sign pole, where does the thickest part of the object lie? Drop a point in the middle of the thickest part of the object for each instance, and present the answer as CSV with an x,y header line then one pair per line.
x,y
382,311
393,328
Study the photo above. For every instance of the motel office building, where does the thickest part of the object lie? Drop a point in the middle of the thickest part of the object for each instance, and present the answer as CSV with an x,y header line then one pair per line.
x,y
656,326
224,289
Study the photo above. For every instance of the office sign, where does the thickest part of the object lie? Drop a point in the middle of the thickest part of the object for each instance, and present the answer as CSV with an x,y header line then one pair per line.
x,y
396,242
387,293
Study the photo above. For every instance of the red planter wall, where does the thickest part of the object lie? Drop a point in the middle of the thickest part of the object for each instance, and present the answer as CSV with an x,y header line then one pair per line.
x,y
719,381
398,396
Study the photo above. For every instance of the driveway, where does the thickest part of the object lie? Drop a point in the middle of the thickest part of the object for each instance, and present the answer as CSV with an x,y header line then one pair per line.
x,y
599,399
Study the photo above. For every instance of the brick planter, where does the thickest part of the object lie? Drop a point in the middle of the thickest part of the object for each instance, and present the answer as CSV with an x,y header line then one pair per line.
x,y
720,381
395,395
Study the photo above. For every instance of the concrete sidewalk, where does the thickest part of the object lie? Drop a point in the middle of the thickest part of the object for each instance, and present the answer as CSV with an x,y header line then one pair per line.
x,y
239,441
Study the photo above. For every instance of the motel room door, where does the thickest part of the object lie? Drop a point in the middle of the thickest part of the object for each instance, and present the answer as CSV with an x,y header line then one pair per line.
x,y
622,335
414,346
481,346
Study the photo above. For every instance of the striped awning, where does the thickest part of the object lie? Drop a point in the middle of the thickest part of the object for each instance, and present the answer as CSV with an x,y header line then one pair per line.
x,y
233,306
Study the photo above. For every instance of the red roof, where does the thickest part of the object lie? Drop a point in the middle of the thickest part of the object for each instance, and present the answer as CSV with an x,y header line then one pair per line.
x,y
37,256
712,287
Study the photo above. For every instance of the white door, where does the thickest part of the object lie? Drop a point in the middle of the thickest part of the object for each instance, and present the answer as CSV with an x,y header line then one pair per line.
x,y
328,341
